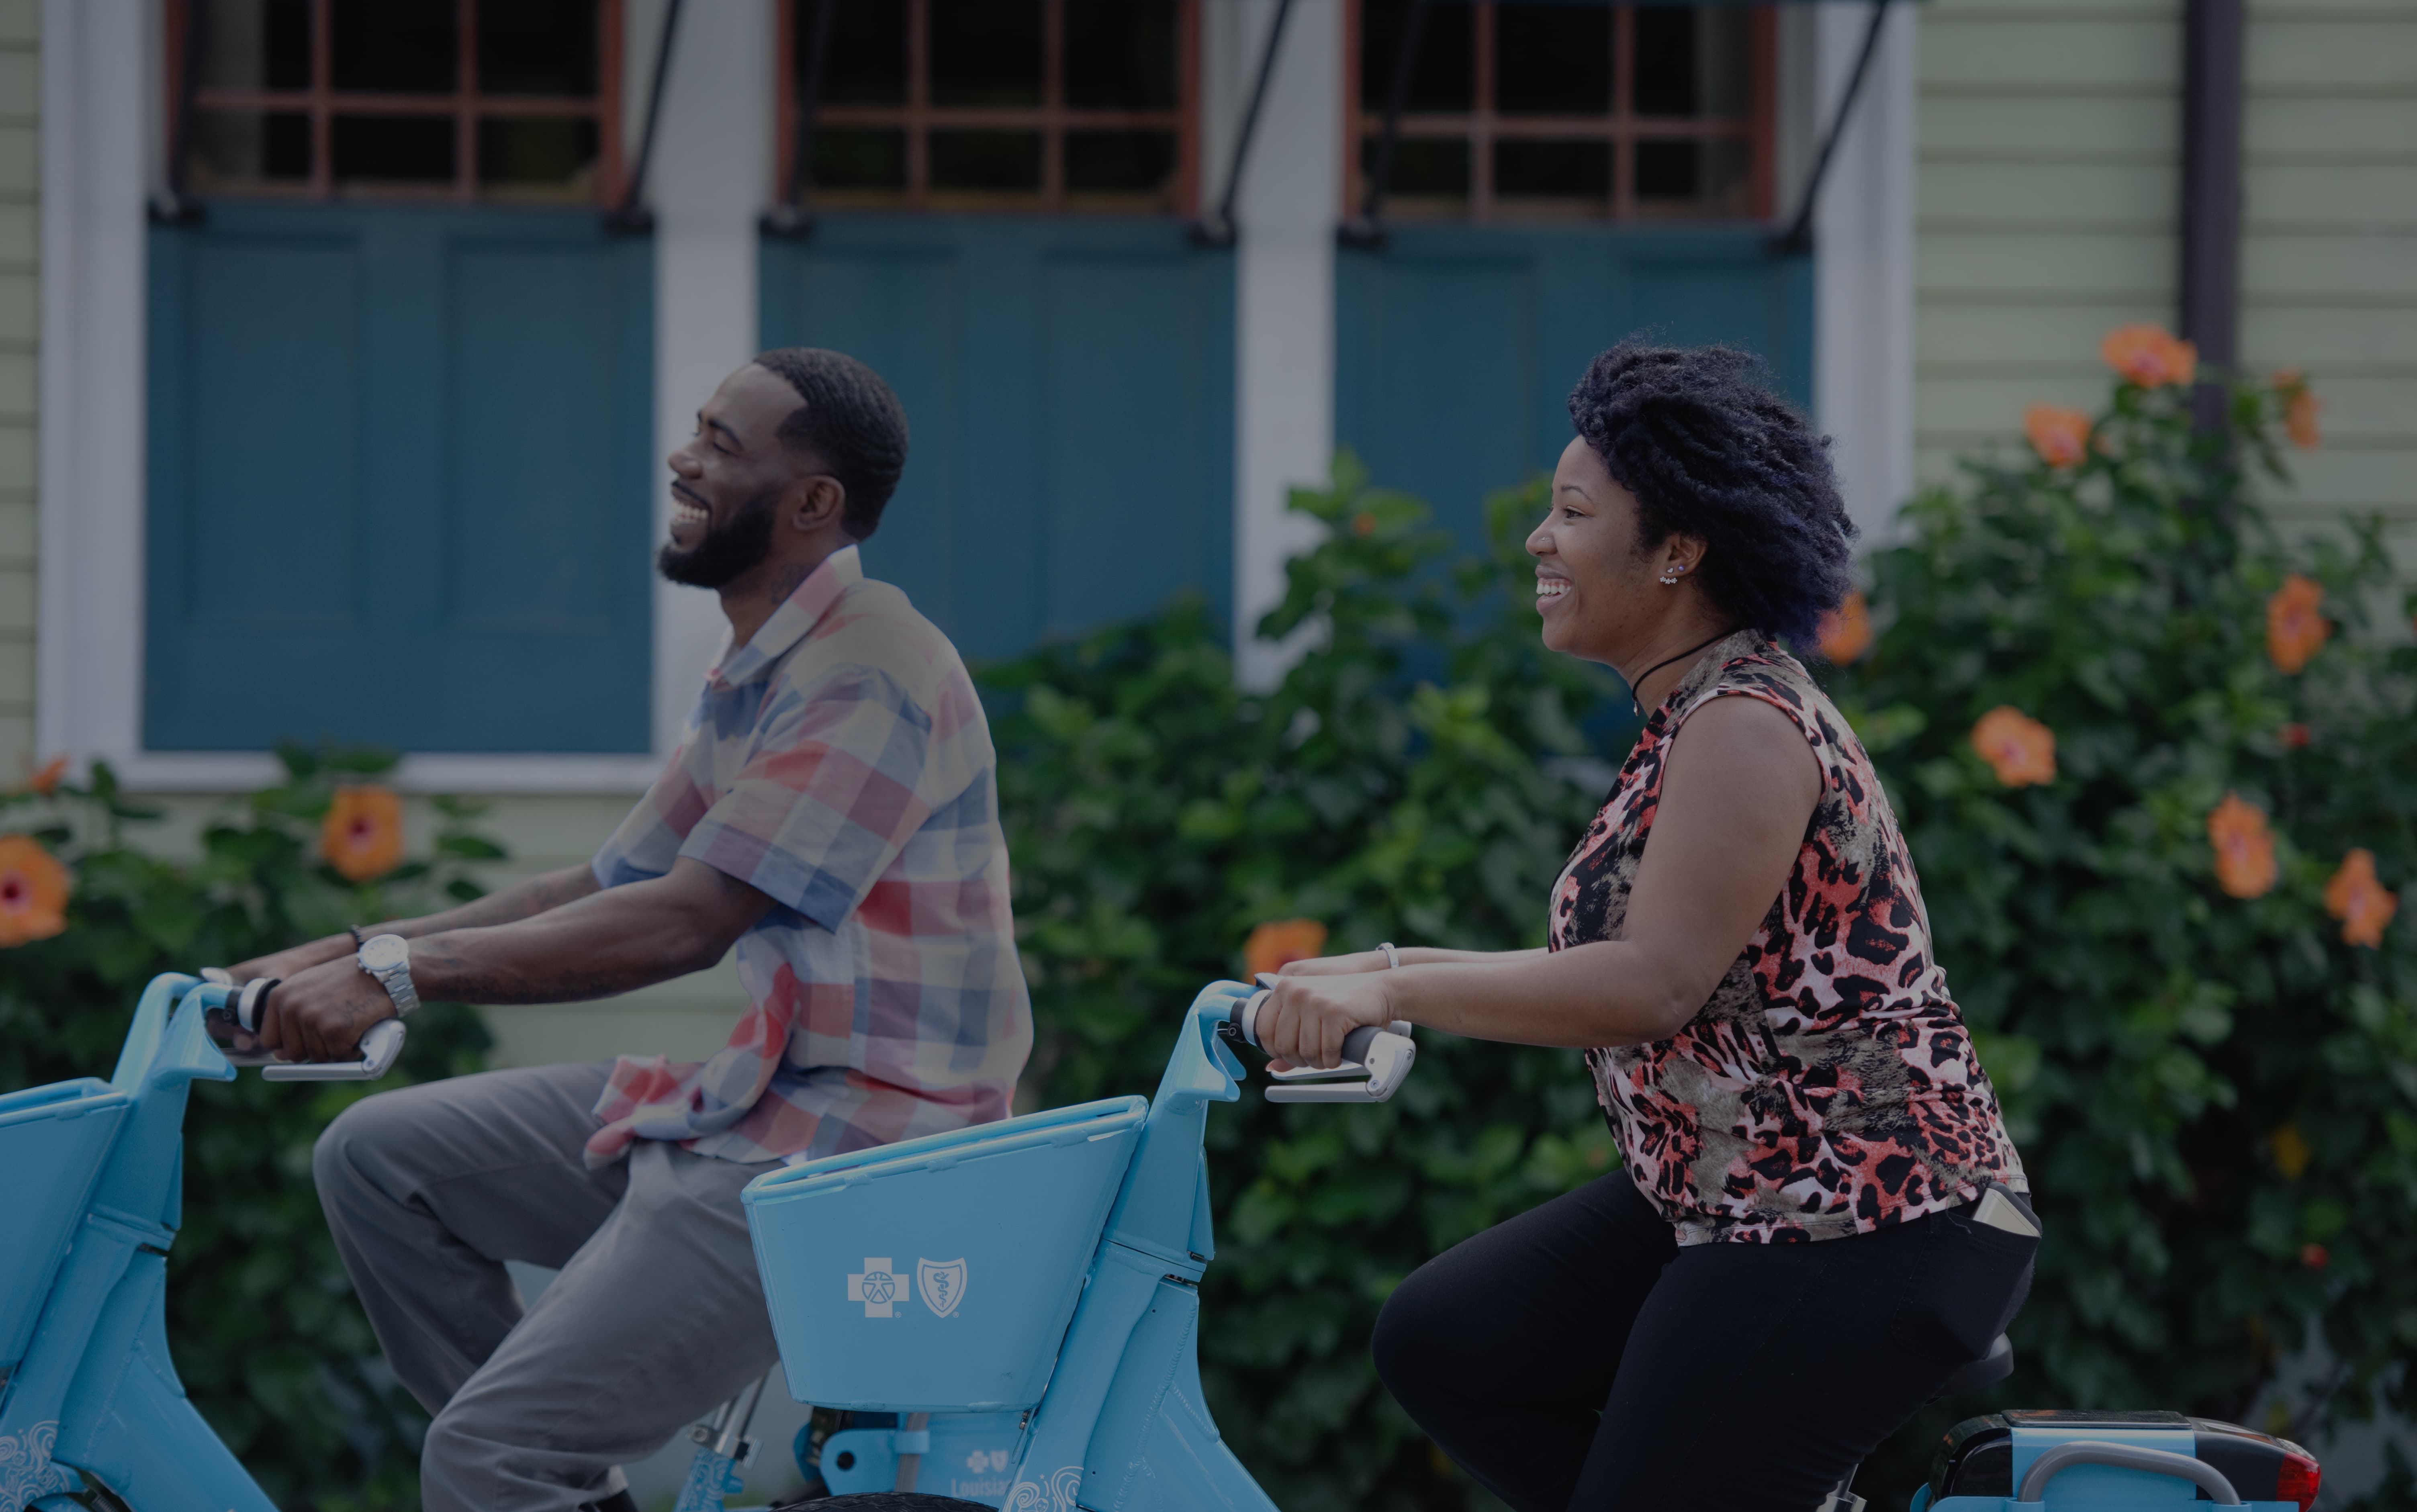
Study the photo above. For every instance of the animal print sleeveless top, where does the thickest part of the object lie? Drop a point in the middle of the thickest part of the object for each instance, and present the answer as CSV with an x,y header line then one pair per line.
x,y
1829,1086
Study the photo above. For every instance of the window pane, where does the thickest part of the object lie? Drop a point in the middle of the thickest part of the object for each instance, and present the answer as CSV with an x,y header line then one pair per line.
x,y
1553,59
1573,175
537,47
991,161
1431,168
1119,163
854,159
255,44
985,53
402,148
393,47
542,153
1120,55
1442,78
1704,178
1694,60
251,148
867,51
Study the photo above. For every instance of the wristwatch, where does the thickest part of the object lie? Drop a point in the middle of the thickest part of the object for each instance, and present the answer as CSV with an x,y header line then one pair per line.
x,y
387,958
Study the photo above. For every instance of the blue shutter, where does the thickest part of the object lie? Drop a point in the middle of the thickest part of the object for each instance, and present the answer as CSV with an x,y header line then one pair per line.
x,y
1457,346
400,464
1069,386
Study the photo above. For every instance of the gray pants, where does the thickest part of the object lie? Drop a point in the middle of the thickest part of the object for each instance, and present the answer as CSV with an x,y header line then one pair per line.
x,y
657,1314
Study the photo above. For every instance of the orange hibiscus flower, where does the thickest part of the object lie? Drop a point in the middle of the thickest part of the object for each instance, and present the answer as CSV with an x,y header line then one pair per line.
x,y
362,835
2356,897
1278,942
2060,436
2149,356
45,779
1847,631
2299,407
2244,848
2019,748
2296,627
32,891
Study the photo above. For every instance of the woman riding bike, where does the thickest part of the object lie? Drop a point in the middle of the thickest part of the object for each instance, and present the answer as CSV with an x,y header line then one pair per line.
x,y
1820,1216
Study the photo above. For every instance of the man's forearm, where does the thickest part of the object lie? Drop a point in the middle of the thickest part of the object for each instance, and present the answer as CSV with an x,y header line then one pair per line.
x,y
525,898
615,941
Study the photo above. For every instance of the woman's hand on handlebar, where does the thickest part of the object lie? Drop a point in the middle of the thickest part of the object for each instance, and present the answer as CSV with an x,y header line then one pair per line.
x,y
287,964
1306,1016
321,1013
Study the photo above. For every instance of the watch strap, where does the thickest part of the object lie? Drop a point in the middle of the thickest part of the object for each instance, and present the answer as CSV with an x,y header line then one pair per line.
x,y
396,978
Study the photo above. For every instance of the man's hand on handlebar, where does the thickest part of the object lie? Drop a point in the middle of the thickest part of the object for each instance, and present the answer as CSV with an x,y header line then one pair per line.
x,y
1307,1015
287,964
321,1013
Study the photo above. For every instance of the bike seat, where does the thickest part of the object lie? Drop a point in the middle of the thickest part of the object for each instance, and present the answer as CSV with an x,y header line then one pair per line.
x,y
1987,1371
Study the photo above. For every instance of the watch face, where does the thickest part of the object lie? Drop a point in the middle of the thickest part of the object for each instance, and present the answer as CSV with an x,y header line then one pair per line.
x,y
383,952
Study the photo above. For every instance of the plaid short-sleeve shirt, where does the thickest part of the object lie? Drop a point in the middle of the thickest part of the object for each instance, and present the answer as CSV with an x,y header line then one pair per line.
x,y
839,764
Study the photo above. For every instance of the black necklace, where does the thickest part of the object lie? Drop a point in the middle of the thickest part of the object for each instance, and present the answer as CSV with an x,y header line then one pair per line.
x,y
1648,671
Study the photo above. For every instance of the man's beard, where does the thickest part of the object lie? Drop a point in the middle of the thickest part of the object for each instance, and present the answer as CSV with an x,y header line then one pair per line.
x,y
728,551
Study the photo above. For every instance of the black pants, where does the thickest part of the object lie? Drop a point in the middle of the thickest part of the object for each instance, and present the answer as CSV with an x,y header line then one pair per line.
x,y
1576,1357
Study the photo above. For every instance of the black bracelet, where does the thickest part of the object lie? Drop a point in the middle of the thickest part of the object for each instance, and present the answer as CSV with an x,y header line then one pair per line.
x,y
354,931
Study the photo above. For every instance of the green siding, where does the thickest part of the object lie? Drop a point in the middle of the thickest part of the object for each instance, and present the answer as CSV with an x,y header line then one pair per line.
x,y
2046,174
19,333
2328,255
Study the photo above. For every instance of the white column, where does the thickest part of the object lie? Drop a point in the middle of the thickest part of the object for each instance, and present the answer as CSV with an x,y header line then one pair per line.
x,y
1284,368
1864,309
710,176
88,656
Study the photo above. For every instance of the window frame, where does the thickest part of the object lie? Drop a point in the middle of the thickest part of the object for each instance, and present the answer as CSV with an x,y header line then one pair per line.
x,y
1481,126
1052,118
321,103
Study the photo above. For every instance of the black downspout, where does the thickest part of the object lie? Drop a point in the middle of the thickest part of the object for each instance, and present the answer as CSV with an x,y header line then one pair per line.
x,y
794,216
2210,229
172,206
1366,230
1218,229
1796,239
630,218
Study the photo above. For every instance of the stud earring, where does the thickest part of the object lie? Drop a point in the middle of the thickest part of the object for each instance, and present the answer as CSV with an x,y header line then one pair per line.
x,y
1670,579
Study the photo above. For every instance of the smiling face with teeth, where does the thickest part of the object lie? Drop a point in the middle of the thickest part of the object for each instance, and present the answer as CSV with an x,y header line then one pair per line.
x,y
1599,588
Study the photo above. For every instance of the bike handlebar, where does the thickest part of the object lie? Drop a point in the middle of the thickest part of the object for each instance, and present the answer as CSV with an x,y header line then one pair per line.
x,y
380,1044
1384,1052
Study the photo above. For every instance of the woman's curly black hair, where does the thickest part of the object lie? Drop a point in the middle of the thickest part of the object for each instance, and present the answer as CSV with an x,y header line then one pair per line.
x,y
1710,451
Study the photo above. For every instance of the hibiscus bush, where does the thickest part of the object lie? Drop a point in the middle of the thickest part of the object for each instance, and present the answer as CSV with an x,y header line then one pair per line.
x,y
261,1321
2157,766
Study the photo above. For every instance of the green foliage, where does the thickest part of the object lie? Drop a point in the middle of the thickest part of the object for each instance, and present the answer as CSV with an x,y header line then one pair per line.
x,y
2216,1097
1156,813
265,1334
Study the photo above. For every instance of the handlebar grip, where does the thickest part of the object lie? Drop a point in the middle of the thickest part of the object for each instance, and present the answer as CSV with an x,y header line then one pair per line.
x,y
1355,1043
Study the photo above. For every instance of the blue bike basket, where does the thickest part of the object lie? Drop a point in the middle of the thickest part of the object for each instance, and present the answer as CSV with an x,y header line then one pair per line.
x,y
51,1143
937,1275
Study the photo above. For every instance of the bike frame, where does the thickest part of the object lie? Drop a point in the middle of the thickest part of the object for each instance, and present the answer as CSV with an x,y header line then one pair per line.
x,y
94,1402
1122,1423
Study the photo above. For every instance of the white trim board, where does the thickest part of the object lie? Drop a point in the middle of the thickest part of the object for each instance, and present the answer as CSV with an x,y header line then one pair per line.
x,y
100,129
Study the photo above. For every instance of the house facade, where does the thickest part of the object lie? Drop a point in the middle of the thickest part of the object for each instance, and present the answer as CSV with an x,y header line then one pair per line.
x,y
340,345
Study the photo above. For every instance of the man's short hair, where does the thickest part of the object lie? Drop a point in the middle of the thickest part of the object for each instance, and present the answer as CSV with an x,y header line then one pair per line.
x,y
850,421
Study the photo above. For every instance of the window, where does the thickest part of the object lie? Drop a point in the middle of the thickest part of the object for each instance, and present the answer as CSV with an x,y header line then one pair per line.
x,y
1064,105
1538,110
460,100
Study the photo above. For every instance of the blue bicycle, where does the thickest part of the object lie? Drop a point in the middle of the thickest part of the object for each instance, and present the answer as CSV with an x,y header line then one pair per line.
x,y
1005,1317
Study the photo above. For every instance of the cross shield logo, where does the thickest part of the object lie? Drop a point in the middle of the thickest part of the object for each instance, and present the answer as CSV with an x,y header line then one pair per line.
x,y
876,1286
942,1283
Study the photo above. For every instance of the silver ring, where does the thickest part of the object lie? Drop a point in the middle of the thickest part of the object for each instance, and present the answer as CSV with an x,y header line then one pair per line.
x,y
1393,957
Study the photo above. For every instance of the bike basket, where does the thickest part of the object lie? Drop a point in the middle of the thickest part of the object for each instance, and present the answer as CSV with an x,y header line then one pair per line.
x,y
53,1139
939,1275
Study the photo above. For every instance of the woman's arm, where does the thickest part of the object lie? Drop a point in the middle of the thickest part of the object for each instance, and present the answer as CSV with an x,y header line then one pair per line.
x,y
1411,955
1738,791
